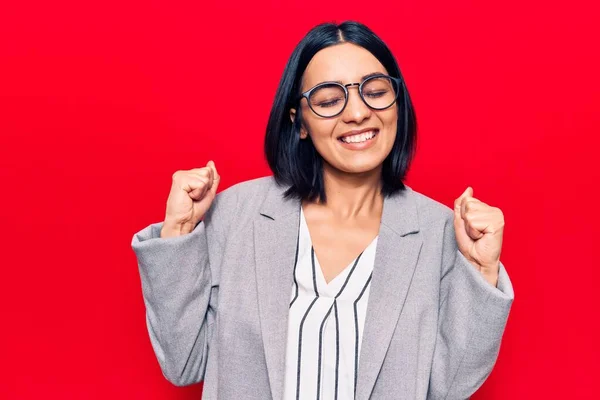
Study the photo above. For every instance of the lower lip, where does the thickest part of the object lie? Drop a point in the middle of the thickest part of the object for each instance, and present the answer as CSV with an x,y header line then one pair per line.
x,y
360,145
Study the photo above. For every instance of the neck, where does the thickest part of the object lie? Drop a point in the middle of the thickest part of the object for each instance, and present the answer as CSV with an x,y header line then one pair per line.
x,y
352,195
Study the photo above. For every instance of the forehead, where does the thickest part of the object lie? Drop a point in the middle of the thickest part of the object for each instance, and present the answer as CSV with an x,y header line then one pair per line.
x,y
345,62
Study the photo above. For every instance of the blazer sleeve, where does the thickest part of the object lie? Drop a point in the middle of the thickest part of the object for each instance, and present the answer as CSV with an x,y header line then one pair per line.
x,y
179,286
472,318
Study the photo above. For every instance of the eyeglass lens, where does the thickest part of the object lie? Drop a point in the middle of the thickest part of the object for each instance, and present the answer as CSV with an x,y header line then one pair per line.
x,y
329,99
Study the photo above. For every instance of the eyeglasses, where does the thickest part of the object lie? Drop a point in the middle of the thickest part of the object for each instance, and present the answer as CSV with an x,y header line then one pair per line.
x,y
329,99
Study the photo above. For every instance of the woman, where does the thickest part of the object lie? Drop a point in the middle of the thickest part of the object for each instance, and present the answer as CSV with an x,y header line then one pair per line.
x,y
332,279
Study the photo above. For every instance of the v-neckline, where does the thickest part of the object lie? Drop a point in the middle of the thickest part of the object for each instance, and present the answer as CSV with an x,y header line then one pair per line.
x,y
329,287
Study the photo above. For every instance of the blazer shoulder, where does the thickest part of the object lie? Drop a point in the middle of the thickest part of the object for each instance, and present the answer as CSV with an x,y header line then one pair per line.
x,y
245,196
430,211
237,204
249,189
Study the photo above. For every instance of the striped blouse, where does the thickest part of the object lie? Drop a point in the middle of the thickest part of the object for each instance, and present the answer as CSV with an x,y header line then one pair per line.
x,y
325,324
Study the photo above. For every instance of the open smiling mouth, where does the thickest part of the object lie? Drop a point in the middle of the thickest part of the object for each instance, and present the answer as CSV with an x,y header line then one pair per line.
x,y
359,137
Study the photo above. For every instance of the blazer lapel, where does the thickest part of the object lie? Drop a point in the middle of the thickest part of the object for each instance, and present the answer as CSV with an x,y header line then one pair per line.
x,y
275,239
398,249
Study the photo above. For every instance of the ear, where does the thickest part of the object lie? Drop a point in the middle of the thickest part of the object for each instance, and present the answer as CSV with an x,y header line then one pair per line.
x,y
303,133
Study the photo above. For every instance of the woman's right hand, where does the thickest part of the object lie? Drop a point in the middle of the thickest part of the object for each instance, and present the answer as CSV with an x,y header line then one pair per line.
x,y
192,194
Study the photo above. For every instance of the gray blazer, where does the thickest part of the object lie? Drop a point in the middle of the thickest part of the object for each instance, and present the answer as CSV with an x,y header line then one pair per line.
x,y
217,300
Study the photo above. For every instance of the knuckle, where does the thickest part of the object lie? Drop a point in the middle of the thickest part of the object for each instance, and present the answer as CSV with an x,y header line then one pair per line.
x,y
176,175
204,172
501,216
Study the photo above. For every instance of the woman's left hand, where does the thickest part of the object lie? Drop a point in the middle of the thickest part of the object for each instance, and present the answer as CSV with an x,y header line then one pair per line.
x,y
479,228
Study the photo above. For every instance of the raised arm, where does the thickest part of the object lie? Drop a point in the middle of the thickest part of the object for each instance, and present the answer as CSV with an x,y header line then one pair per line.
x,y
474,302
178,273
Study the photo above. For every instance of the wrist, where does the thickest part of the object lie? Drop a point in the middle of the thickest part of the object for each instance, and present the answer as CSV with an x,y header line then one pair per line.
x,y
491,273
173,229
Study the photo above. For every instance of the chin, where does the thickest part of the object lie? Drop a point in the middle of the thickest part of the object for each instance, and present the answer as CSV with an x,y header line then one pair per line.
x,y
361,168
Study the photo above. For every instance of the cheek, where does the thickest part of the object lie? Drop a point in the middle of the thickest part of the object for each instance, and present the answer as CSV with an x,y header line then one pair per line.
x,y
320,129
391,123
390,119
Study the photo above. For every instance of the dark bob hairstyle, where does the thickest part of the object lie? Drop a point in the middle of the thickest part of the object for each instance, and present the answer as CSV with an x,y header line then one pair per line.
x,y
296,162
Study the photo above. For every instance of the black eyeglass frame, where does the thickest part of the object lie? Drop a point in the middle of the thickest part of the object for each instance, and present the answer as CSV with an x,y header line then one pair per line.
x,y
345,87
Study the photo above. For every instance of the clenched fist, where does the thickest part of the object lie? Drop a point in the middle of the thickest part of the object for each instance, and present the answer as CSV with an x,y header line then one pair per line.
x,y
479,229
192,194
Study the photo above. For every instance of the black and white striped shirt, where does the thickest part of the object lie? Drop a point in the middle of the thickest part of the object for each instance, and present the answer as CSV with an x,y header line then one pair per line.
x,y
325,324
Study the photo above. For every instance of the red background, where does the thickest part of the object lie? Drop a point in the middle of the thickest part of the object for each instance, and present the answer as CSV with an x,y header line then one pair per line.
x,y
100,104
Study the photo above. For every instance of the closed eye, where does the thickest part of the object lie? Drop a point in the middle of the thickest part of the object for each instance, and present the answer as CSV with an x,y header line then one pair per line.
x,y
376,94
329,103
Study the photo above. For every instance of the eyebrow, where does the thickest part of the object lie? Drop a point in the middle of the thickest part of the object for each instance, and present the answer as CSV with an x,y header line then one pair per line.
x,y
361,79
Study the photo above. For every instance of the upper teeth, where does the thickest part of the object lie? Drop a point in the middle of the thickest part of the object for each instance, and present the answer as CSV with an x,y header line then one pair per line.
x,y
361,137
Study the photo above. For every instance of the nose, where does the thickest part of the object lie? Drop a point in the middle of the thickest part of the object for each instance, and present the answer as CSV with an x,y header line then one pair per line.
x,y
356,110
